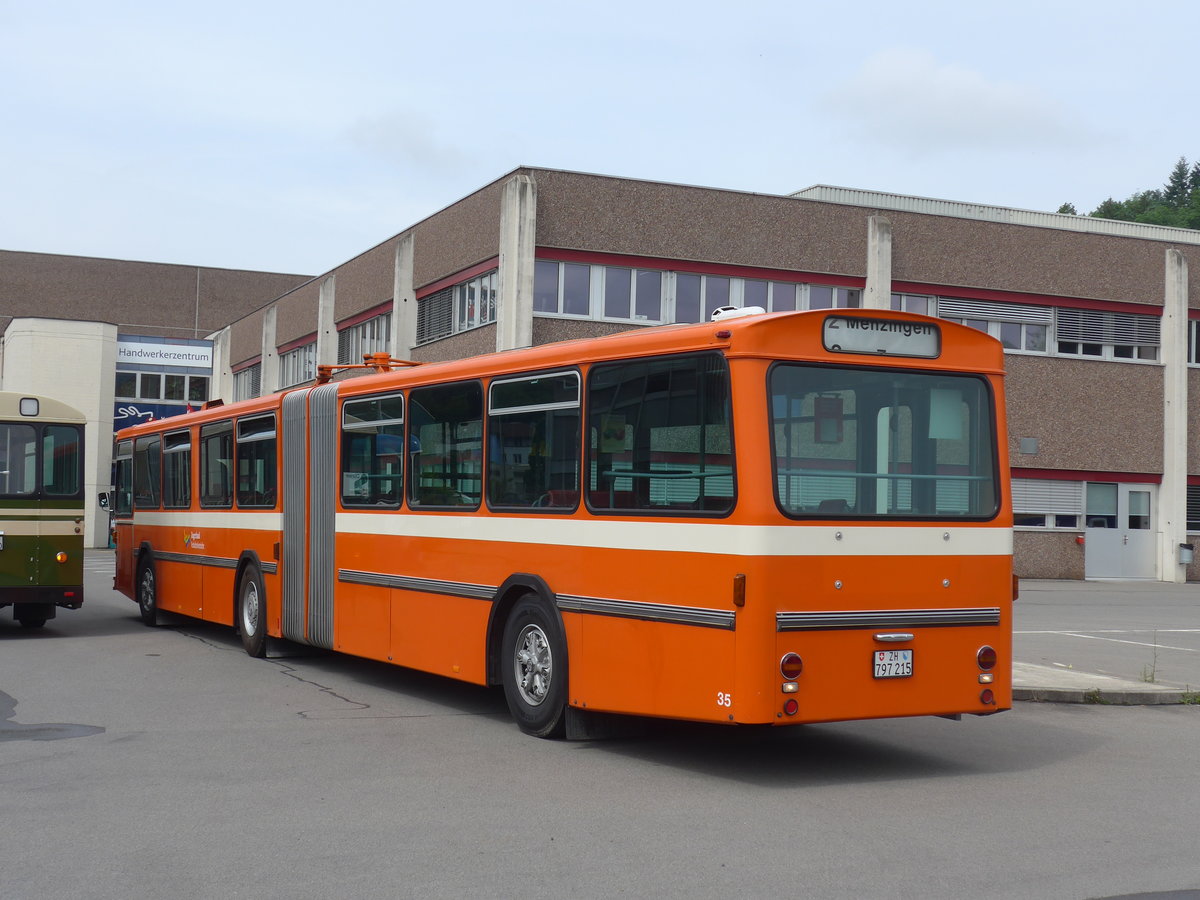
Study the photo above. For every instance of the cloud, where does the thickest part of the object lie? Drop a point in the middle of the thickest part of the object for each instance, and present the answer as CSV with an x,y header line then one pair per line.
x,y
907,100
409,141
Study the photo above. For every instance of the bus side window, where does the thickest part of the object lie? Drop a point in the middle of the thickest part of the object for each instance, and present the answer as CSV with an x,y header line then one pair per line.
x,y
177,470
445,446
373,451
533,442
216,465
123,479
256,461
147,468
18,450
660,435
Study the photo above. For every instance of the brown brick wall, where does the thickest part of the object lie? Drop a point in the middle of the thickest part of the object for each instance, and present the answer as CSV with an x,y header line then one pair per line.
x,y
1050,555
140,298
365,281
1086,414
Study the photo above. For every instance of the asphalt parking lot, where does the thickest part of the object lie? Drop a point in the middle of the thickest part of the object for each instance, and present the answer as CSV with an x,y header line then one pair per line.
x,y
1107,642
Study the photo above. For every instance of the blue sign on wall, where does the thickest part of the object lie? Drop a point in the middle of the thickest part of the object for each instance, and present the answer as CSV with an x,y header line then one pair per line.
x,y
134,412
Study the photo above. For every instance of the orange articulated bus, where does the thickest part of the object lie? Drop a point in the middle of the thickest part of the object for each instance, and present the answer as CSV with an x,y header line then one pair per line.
x,y
764,519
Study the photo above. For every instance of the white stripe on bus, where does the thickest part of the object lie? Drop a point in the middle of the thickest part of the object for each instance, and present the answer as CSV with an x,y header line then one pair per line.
x,y
624,534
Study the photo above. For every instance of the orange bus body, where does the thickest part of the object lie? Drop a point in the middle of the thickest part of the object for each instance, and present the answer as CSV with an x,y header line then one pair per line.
x,y
663,612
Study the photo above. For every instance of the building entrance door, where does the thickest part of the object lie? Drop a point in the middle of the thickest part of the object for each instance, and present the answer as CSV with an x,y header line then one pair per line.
x,y
1118,531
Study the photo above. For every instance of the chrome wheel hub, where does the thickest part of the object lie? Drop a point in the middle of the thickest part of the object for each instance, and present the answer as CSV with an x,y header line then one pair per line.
x,y
533,665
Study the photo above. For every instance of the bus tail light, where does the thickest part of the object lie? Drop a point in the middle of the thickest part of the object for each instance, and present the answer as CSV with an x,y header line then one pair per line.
x,y
986,697
791,665
61,556
791,707
986,657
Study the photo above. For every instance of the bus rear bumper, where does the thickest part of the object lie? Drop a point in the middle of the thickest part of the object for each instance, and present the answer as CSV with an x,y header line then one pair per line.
x,y
42,600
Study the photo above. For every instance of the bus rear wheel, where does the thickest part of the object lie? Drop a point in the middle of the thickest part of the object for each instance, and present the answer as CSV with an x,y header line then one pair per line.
x,y
31,621
534,668
252,612
147,592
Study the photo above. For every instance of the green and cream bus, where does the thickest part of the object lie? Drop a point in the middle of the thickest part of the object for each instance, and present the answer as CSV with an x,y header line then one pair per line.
x,y
41,507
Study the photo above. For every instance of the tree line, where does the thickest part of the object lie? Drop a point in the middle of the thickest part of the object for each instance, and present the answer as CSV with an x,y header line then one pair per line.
x,y
1176,203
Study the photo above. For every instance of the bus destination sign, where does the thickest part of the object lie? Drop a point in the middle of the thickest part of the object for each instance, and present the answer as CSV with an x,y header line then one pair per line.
x,y
881,337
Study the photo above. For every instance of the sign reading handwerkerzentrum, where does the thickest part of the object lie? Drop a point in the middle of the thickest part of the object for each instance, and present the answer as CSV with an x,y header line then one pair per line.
x,y
192,355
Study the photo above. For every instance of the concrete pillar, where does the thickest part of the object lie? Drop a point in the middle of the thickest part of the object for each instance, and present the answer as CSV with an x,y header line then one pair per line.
x,y
878,292
269,370
518,227
221,387
326,326
1171,521
404,301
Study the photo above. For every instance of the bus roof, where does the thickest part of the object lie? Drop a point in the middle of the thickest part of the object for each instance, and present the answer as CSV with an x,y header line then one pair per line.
x,y
47,408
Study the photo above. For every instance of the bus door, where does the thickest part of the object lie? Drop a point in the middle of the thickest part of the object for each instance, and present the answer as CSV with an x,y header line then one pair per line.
x,y
309,486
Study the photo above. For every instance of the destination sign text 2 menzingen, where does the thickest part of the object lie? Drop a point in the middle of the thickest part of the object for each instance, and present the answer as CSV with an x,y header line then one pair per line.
x,y
881,337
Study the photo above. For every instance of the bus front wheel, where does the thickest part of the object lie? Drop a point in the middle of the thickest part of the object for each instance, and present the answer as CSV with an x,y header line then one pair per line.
x,y
252,612
147,592
534,668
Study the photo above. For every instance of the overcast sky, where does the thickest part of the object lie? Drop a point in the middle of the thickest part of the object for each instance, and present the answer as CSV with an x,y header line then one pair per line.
x,y
292,136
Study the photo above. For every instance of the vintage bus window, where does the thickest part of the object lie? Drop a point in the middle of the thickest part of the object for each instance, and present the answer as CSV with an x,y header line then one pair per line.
x,y
876,442
659,435
123,479
256,466
147,458
533,442
60,460
373,451
18,459
445,444
177,470
216,465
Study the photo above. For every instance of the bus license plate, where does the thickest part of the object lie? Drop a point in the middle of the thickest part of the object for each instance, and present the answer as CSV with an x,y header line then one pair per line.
x,y
893,663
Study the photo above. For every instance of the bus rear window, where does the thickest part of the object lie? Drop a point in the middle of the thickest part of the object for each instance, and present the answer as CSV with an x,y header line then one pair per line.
x,y
882,443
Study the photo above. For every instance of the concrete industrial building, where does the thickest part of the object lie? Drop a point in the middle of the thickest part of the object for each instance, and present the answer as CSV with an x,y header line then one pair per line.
x,y
1098,319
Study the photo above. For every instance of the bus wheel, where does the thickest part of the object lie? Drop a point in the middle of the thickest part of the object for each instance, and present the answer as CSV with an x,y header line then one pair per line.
x,y
147,592
32,621
252,612
534,665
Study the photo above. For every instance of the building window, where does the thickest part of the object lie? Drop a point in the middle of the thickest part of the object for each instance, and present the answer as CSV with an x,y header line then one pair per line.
x,y
1193,351
1193,507
247,383
475,301
298,366
1039,503
371,336
460,307
1020,328
163,387
915,303
1107,335
654,296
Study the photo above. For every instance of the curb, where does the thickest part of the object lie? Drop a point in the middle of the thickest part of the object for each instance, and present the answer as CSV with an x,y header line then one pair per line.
x,y
1104,697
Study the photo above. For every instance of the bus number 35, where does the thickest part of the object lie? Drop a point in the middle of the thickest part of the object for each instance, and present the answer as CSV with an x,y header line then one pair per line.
x,y
724,699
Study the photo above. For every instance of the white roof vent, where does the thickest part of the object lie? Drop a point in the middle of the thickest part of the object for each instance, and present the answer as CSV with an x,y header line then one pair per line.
x,y
734,312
